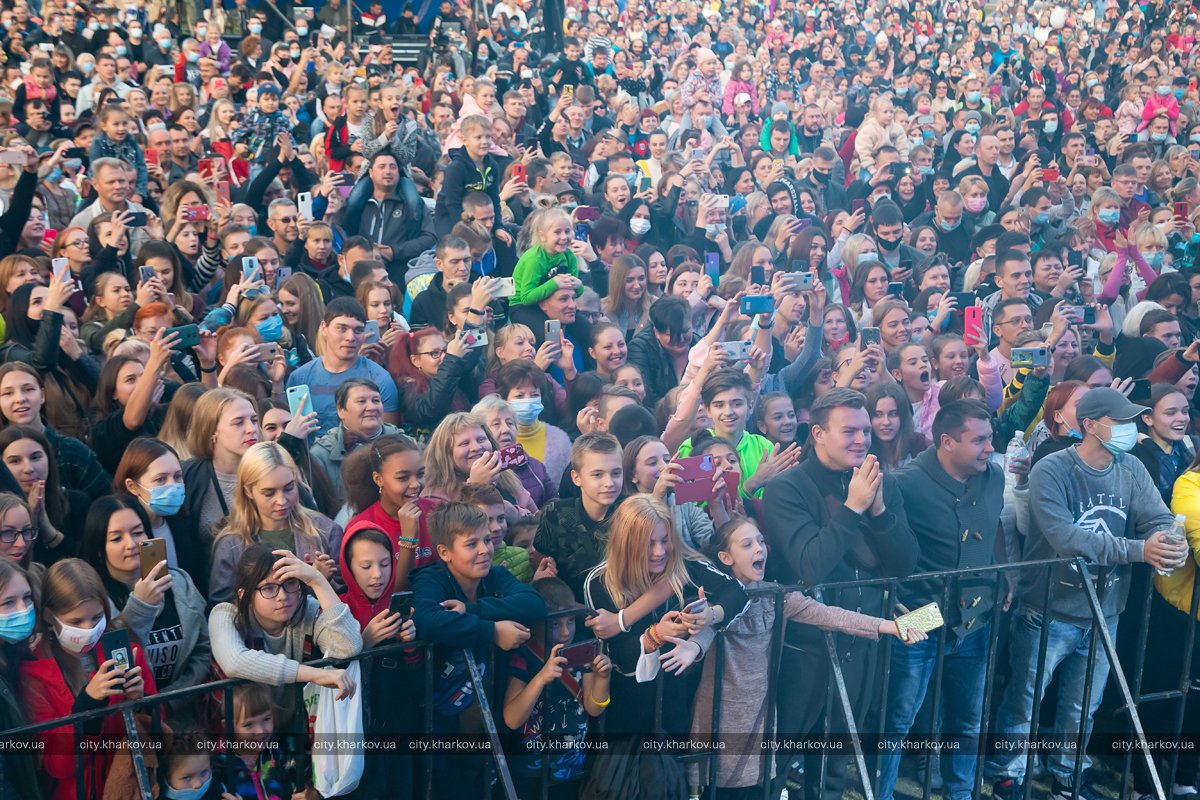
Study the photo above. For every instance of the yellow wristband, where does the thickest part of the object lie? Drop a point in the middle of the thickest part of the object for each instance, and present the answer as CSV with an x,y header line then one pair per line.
x,y
598,703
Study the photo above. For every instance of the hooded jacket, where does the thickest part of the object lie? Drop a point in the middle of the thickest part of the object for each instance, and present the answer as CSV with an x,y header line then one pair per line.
x,y
461,177
362,607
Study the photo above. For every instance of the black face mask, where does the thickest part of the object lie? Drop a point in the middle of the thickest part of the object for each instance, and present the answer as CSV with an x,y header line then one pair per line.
x,y
821,177
887,244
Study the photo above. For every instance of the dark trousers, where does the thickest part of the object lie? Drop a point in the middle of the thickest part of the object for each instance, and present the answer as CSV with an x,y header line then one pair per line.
x,y
1163,671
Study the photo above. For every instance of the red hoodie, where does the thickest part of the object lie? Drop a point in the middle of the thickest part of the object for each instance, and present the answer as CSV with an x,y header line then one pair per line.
x,y
375,517
360,605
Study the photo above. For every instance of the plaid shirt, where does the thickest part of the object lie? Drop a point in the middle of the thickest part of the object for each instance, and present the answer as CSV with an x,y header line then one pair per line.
x,y
78,467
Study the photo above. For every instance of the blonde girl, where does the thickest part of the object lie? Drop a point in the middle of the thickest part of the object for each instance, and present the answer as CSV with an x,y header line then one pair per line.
x,y
267,508
550,263
462,450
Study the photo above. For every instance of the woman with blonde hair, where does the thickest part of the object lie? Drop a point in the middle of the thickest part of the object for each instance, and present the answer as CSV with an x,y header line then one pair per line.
x,y
516,341
462,450
628,301
668,600
174,430
220,122
267,509
224,425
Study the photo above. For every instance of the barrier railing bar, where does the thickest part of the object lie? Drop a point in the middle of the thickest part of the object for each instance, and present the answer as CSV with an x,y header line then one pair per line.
x,y
1110,652
989,678
139,761
1035,717
886,679
839,681
510,791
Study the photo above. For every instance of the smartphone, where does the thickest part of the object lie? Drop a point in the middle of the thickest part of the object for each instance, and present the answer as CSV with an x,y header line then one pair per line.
x,y
145,274
116,648
758,276
868,337
712,267
205,167
1035,125
1049,175
737,351
901,168
802,281
644,184
251,269
372,331
581,231
857,205
896,289
189,337
304,203
519,173
75,152
401,603
1075,259
137,219
1031,357
1140,389
581,655
299,400
721,201
964,300
12,157
61,268
1182,210
758,304
151,553
475,338
696,485
151,155
281,275
223,192
267,352
512,456
553,330
197,214
50,235
697,154
973,326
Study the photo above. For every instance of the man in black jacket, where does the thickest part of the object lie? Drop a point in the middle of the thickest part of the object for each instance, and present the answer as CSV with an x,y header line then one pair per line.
x,y
836,517
385,219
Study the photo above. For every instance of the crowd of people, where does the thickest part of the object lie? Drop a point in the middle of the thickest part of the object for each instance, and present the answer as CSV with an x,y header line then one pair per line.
x,y
552,353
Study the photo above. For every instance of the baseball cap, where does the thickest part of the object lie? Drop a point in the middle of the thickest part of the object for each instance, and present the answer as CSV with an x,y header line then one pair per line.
x,y
1105,402
740,98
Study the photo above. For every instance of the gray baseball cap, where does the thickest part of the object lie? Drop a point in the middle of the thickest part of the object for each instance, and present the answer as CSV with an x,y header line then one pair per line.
x,y
1105,402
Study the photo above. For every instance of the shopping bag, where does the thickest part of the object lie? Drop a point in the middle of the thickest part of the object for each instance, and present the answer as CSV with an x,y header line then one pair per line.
x,y
337,755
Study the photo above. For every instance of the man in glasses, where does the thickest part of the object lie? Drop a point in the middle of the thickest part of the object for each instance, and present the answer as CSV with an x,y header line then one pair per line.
x,y
283,219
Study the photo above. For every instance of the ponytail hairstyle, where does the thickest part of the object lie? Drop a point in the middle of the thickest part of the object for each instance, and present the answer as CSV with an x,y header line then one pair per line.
x,y
362,468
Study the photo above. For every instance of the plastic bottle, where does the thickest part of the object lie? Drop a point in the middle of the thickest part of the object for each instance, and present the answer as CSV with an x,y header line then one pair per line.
x,y
1175,536
1016,449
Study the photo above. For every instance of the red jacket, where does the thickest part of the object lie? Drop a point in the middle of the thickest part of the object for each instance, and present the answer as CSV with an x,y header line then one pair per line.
x,y
374,516
46,696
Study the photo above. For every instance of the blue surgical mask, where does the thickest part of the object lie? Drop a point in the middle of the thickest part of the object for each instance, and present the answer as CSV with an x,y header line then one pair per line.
x,y
121,50
165,501
714,228
1091,82
55,176
73,164
568,207
1162,91
187,794
971,128
252,229
87,67
302,32
1154,259
1041,218
925,169
193,57
1074,434
1122,437
974,97
271,328
1179,94
16,626
527,409
1158,137
947,228
255,28
901,91
1050,126
1109,216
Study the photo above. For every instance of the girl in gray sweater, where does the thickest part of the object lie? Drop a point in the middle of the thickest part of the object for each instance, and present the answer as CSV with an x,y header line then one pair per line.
x,y
740,549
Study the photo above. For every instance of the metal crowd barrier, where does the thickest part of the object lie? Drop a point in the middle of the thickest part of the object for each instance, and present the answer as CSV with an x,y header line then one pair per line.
x,y
867,772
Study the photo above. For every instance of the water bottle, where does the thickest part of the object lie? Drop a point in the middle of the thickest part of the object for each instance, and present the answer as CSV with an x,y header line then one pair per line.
x,y
1174,536
1016,449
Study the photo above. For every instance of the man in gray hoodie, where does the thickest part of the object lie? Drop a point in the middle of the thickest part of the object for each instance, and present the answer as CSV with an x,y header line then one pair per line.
x,y
1094,501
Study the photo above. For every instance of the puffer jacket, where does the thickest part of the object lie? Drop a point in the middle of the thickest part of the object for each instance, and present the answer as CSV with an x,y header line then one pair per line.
x,y
872,136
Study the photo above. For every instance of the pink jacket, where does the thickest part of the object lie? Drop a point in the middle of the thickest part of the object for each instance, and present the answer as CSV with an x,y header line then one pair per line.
x,y
1159,105
733,89
1128,116
470,107
697,84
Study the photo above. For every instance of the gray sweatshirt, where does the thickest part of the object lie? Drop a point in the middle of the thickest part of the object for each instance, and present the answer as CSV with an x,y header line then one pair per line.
x,y
1101,515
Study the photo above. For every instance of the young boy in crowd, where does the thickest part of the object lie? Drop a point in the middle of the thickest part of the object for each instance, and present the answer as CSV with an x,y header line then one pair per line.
x,y
487,498
472,168
573,531
548,702
464,602
265,122
187,774
725,398
254,759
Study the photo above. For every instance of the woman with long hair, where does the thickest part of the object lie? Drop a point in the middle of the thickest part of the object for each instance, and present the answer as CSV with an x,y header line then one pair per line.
x,y
267,508
628,302
893,439
462,450
127,400
1058,417
283,612
163,608
646,556
34,323
54,510
435,376
168,268
224,426
302,308
174,430
70,672
516,341
152,473
20,615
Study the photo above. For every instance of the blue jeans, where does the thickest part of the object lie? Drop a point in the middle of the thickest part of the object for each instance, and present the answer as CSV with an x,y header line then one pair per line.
x,y
1066,653
960,708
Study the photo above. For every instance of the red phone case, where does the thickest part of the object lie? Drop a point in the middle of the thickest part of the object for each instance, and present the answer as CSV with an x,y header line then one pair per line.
x,y
512,456
697,475
973,325
581,654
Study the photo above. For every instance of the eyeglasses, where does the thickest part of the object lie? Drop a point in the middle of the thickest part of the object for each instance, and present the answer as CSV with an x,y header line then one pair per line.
x,y
286,220
1018,321
268,590
434,354
77,243
9,535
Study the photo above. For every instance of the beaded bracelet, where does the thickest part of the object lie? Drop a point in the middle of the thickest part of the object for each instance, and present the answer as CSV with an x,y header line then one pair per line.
x,y
406,544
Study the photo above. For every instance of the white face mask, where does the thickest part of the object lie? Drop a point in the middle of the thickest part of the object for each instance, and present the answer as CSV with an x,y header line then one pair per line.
x,y
79,640
640,227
